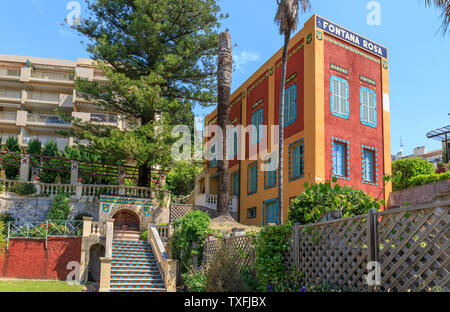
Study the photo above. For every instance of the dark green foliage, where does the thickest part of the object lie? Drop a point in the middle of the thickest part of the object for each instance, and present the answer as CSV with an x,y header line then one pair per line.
x,y
318,199
60,209
405,169
47,175
34,147
422,179
223,272
181,179
192,228
162,57
2,238
271,245
195,279
11,171
6,217
23,188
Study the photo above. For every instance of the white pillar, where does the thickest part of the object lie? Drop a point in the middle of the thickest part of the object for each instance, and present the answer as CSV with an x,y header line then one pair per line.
x,y
24,167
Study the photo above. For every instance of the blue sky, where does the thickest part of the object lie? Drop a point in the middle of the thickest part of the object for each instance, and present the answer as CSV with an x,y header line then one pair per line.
x,y
418,54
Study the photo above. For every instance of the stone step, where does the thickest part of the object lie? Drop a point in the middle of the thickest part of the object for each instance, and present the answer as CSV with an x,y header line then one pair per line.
x,y
131,249
139,290
134,276
136,286
135,272
132,253
132,262
129,242
119,266
131,258
139,282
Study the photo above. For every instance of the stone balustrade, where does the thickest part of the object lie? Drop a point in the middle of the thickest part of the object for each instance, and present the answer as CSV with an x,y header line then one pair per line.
x,y
83,191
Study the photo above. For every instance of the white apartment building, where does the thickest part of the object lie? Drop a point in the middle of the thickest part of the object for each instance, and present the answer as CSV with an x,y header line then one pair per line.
x,y
31,88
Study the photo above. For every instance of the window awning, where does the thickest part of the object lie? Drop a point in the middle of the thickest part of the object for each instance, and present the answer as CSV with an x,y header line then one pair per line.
x,y
440,134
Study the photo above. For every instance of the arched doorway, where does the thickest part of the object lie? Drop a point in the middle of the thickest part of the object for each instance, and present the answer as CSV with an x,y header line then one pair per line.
x,y
95,253
126,220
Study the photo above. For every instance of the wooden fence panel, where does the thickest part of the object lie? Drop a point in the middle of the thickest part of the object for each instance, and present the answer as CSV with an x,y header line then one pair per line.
x,y
414,249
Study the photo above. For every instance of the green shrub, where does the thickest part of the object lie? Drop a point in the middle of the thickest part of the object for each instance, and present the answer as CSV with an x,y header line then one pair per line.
x,y
60,209
2,238
47,175
405,169
195,279
271,246
24,188
144,235
181,180
6,217
192,228
318,199
422,179
11,172
223,272
34,147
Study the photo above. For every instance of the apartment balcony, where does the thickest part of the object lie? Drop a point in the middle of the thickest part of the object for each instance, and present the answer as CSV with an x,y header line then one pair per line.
x,y
10,73
106,119
47,120
210,201
52,77
8,118
60,142
11,95
49,98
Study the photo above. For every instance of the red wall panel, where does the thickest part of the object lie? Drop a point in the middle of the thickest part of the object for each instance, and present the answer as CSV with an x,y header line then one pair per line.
x,y
28,258
352,129
295,65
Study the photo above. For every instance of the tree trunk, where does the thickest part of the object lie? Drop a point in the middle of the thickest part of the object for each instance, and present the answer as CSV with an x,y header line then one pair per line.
x,y
224,72
287,36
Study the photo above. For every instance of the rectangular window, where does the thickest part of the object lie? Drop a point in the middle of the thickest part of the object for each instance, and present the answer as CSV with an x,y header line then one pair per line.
x,y
368,107
340,159
296,160
368,168
290,105
213,163
251,213
339,97
235,183
232,143
257,120
252,176
270,176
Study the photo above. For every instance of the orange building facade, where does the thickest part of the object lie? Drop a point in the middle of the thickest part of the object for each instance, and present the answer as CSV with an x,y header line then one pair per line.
x,y
337,123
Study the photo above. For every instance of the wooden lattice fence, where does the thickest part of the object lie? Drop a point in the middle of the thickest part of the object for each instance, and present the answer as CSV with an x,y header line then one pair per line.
x,y
242,246
411,246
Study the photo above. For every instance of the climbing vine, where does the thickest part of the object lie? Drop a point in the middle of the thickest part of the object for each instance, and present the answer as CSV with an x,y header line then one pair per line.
x,y
272,246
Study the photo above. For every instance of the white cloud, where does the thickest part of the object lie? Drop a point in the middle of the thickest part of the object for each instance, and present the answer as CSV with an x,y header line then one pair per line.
x,y
242,59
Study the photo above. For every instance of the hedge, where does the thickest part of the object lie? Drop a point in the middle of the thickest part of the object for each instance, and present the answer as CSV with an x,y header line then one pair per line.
x,y
428,178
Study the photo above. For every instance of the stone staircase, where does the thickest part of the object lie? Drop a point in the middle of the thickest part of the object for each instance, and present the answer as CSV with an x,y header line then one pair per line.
x,y
134,268
126,235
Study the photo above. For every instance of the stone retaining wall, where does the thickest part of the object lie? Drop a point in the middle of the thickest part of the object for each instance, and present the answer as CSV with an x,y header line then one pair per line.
x,y
32,209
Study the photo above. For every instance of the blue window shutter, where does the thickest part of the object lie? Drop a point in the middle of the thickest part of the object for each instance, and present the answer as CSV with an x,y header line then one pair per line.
x,y
340,159
368,166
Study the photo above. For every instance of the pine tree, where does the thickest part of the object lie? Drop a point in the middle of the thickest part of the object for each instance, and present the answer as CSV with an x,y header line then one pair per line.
x,y
159,59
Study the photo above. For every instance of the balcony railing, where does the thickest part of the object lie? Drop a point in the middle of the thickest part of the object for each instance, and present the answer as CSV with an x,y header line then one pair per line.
x,y
43,96
47,119
10,72
12,116
45,75
210,201
104,118
11,94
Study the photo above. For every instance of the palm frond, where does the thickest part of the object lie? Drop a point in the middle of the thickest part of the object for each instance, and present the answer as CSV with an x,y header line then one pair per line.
x,y
443,5
287,13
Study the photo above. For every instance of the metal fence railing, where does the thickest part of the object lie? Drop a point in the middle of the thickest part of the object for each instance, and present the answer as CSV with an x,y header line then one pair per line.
x,y
43,230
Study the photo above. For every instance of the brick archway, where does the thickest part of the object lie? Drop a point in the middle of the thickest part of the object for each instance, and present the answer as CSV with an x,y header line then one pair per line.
x,y
127,220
